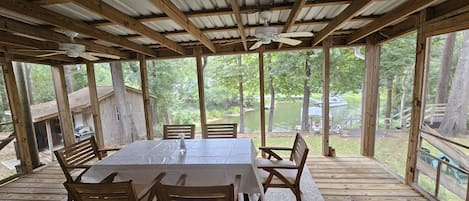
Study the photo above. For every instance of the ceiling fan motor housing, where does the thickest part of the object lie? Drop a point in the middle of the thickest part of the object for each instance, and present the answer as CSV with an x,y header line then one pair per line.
x,y
265,32
73,50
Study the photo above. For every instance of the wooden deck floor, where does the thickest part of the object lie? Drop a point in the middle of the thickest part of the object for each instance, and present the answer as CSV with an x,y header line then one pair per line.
x,y
341,178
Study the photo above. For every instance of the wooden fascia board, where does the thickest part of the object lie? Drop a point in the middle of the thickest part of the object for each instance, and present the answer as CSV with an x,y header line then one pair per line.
x,y
237,14
178,16
400,12
35,11
116,16
343,17
295,10
39,32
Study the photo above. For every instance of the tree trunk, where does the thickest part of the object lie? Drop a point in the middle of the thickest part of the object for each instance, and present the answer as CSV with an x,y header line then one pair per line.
x,y
28,82
272,93
455,119
69,78
241,96
387,113
4,99
305,126
167,118
129,131
445,69
404,93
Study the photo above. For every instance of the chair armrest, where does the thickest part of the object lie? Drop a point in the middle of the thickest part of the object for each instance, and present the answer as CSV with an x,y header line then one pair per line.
x,y
78,179
271,153
236,185
150,188
108,149
268,167
182,180
109,178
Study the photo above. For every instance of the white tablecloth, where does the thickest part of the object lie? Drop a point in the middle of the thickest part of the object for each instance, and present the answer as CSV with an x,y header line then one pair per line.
x,y
206,162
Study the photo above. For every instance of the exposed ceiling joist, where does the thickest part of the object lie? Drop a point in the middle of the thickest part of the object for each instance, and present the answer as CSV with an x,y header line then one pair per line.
x,y
237,14
35,11
116,16
400,12
178,16
36,31
11,39
352,10
295,10
448,9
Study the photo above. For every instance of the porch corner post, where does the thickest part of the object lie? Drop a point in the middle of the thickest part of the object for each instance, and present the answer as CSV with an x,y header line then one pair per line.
x,y
63,105
17,116
261,94
200,84
370,97
146,96
420,74
98,127
326,45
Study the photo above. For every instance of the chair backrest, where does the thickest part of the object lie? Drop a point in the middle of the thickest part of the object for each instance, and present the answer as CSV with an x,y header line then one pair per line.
x,y
299,154
221,130
77,155
198,193
173,131
102,191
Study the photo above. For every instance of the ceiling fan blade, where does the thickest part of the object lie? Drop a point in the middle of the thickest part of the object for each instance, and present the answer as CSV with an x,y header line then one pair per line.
x,y
52,54
296,34
34,50
110,56
88,57
289,41
256,45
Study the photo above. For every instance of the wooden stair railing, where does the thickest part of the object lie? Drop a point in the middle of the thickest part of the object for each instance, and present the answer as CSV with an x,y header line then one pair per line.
x,y
4,142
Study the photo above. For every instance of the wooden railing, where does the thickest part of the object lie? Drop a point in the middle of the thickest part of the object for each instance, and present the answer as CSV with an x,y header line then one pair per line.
x,y
431,165
431,111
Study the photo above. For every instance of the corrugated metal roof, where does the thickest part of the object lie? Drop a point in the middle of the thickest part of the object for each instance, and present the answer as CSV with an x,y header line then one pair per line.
x,y
117,30
73,11
164,26
134,7
381,7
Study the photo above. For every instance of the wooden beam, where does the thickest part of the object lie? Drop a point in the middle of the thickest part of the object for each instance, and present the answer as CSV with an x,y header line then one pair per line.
x,y
17,116
370,97
339,20
94,101
262,94
7,24
201,91
452,24
19,51
178,16
447,9
399,30
418,93
35,11
63,105
237,14
116,16
400,12
295,10
10,39
50,142
326,69
146,96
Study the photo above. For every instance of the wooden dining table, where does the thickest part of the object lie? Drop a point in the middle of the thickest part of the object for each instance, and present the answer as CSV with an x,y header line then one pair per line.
x,y
206,162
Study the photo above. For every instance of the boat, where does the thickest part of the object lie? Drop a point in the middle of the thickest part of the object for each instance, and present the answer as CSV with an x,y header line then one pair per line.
x,y
334,101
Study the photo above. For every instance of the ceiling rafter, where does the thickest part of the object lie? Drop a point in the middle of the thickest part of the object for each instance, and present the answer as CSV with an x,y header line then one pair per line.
x,y
35,11
352,10
400,12
36,31
116,16
11,39
227,11
295,10
237,14
178,16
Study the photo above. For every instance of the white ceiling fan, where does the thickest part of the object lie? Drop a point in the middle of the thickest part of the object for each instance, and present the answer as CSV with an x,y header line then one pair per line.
x,y
267,34
75,50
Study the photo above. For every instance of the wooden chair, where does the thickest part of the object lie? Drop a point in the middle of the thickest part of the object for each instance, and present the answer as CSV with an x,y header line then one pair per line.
x,y
75,159
173,131
180,192
106,190
221,130
281,173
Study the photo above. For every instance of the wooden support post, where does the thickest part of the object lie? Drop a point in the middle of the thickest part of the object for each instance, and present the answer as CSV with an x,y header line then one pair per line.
x,y
17,116
370,97
98,128
200,84
326,45
50,143
63,106
261,94
420,72
146,96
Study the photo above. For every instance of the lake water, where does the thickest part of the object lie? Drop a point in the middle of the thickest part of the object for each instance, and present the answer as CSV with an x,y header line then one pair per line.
x,y
287,116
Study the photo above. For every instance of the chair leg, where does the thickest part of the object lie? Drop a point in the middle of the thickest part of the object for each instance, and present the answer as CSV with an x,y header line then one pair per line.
x,y
296,190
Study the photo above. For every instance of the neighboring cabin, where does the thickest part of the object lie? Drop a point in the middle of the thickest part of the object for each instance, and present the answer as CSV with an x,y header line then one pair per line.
x,y
46,114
